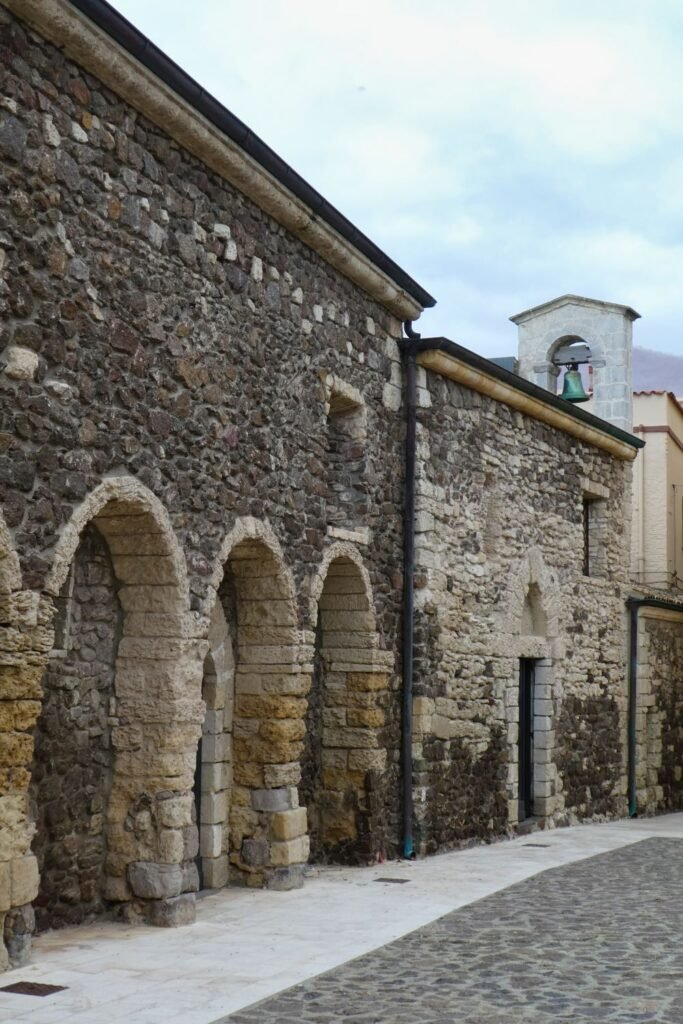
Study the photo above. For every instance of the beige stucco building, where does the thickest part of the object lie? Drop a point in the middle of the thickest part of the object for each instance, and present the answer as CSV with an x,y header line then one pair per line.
x,y
658,491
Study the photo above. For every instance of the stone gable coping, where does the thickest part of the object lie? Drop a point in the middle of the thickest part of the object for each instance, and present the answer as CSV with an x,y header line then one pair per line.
x,y
96,51
467,368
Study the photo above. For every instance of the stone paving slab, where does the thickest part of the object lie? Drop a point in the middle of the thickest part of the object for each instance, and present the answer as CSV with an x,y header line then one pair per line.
x,y
597,940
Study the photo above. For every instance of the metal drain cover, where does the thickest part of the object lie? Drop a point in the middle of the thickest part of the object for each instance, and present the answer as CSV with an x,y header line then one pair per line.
x,y
32,988
396,881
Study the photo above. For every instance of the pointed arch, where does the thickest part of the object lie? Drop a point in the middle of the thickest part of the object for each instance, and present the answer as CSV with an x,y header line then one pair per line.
x,y
534,599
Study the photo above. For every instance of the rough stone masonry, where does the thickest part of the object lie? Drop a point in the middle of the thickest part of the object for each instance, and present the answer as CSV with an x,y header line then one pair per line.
x,y
201,469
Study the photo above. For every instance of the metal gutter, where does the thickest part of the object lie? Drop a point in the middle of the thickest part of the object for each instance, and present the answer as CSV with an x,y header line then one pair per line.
x,y
480,374
51,18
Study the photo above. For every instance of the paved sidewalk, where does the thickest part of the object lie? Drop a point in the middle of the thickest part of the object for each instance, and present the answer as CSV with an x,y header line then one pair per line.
x,y
247,946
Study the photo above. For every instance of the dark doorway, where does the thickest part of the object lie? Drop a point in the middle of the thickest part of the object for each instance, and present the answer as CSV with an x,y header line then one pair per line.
x,y
526,738
198,809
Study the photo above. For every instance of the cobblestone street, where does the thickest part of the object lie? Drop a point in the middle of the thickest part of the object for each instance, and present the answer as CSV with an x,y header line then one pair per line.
x,y
597,940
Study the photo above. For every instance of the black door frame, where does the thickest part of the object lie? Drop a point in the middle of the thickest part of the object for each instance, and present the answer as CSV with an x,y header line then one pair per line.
x,y
527,673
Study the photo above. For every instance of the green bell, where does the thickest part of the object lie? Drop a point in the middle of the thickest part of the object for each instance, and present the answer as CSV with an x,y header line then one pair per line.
x,y
572,390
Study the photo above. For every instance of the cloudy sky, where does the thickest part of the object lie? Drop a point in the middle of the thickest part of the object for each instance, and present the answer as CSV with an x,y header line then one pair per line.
x,y
501,151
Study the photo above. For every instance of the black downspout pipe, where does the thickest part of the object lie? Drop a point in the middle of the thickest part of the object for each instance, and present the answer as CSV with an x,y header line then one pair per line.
x,y
409,349
634,604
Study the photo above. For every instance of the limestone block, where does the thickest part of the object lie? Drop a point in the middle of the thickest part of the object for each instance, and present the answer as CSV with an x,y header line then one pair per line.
x,y
371,718
5,887
214,808
190,842
367,680
289,824
151,648
25,714
260,752
214,748
171,846
292,684
334,758
211,840
175,811
20,363
159,599
265,635
278,775
343,621
215,872
16,749
214,722
25,880
269,706
173,912
214,776
248,774
293,851
361,738
367,760
282,730
155,881
278,654
282,799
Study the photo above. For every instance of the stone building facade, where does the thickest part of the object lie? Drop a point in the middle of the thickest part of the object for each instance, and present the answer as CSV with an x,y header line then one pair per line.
x,y
202,429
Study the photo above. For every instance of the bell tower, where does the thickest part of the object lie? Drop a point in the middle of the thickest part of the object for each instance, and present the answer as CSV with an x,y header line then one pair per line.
x,y
605,329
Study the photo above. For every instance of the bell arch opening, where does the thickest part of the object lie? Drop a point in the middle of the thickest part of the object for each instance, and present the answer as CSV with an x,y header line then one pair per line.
x,y
344,748
116,737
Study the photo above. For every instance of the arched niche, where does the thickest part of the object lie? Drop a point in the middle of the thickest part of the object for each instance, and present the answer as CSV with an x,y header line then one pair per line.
x,y
345,752
264,835
121,714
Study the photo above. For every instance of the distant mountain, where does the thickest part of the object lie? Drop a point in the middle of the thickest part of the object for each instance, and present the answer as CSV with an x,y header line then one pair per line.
x,y
657,371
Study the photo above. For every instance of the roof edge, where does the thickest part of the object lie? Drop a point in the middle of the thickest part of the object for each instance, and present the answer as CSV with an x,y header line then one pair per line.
x,y
107,45
475,371
579,300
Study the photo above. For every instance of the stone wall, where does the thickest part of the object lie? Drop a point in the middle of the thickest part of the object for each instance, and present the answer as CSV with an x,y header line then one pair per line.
x,y
183,374
499,578
188,382
659,716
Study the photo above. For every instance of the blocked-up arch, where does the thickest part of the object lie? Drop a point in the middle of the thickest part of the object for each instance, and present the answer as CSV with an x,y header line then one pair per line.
x,y
530,631
345,752
531,619
120,569
267,829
